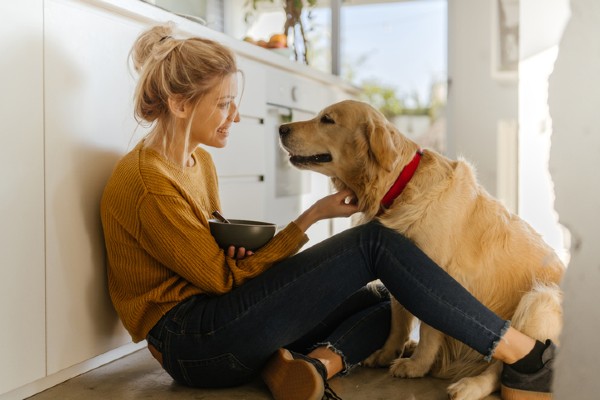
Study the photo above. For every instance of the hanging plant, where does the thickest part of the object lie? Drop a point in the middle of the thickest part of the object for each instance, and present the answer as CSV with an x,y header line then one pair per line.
x,y
293,26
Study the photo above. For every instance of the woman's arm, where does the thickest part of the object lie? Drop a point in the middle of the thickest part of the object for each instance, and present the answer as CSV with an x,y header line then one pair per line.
x,y
174,235
340,204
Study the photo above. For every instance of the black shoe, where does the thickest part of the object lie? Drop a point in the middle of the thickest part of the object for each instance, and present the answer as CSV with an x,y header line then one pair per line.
x,y
294,376
535,386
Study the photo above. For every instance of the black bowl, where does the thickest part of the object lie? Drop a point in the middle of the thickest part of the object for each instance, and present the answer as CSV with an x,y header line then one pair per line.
x,y
251,235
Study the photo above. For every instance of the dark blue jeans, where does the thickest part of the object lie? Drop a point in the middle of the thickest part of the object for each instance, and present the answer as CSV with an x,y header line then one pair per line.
x,y
319,297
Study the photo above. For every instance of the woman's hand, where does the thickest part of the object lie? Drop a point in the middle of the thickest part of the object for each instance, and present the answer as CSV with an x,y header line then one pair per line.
x,y
340,204
240,254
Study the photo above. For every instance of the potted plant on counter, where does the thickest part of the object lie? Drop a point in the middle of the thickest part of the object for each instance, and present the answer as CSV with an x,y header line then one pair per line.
x,y
293,27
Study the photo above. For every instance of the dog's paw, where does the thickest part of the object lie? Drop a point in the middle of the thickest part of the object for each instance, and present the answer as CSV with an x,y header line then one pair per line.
x,y
408,368
381,358
465,389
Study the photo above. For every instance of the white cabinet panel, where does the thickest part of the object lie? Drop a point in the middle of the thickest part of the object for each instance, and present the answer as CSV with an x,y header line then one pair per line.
x,y
244,154
89,125
22,297
243,198
254,82
294,91
241,168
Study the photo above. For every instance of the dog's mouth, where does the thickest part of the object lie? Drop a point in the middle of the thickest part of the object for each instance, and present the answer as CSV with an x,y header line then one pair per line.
x,y
314,159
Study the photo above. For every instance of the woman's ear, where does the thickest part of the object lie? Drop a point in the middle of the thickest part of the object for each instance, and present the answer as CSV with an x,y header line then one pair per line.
x,y
178,107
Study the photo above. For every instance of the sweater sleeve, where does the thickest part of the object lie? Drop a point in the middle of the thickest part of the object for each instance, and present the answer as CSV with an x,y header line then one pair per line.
x,y
179,239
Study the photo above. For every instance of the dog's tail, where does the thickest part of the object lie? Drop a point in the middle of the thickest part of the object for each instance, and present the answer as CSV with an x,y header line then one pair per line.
x,y
539,313
456,360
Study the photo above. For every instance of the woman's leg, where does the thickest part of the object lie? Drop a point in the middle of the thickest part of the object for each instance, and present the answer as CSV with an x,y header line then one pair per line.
x,y
354,340
370,299
223,340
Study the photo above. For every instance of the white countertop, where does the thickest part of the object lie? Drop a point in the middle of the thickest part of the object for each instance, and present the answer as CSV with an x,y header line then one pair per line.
x,y
150,14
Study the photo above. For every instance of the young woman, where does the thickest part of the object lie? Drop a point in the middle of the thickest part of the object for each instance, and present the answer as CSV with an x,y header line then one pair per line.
x,y
217,319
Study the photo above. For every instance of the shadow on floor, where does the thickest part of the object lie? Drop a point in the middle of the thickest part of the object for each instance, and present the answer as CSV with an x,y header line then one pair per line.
x,y
138,376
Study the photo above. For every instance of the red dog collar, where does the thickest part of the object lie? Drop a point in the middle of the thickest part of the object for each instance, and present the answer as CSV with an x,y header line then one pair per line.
x,y
405,176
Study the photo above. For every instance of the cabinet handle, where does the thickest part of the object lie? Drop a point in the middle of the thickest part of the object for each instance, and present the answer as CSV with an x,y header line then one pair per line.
x,y
260,120
241,178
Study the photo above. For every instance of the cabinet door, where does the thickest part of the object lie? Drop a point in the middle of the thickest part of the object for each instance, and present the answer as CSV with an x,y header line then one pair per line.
x,y
253,101
244,154
243,198
295,91
89,125
22,296
241,169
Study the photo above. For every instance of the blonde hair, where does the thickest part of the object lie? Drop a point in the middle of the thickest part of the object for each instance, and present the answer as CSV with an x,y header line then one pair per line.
x,y
182,69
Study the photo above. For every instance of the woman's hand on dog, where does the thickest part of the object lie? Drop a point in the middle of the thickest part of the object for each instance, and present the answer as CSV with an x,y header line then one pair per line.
x,y
340,204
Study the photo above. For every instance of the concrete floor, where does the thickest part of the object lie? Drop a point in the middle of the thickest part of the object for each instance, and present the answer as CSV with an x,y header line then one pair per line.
x,y
138,376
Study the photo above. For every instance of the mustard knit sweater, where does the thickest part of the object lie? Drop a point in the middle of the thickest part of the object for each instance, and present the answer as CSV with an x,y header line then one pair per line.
x,y
159,247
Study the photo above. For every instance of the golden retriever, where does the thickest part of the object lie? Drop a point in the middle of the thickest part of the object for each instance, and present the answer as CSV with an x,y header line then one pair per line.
x,y
497,256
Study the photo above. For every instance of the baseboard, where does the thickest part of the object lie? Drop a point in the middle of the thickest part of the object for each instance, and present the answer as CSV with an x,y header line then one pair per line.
x,y
52,380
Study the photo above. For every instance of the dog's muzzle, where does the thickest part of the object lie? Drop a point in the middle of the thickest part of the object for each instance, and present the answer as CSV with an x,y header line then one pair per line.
x,y
284,131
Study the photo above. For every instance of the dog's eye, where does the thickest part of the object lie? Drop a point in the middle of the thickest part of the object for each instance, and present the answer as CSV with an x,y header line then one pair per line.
x,y
326,119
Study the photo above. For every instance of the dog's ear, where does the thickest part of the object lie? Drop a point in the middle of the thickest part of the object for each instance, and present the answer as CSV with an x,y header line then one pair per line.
x,y
381,144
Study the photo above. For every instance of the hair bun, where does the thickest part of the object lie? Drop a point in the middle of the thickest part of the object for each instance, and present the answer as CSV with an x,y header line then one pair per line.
x,y
144,46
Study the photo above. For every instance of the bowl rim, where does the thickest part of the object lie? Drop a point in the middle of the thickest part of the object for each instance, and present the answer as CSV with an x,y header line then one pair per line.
x,y
241,222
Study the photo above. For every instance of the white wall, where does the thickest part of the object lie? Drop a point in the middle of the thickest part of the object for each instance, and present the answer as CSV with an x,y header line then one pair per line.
x,y
563,112
542,23
574,98
477,101
22,283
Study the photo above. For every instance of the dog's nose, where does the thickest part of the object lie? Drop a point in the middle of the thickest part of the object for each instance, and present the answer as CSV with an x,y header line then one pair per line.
x,y
284,130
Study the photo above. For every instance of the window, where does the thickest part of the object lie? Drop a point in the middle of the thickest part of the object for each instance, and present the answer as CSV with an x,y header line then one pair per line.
x,y
396,51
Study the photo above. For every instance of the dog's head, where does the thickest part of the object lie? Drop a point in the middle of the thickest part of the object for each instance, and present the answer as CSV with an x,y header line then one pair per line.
x,y
352,143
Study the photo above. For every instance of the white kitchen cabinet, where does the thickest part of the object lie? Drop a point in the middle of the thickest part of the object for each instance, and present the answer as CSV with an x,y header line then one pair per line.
x,y
244,154
291,97
241,169
22,295
252,104
241,164
295,91
89,126
243,198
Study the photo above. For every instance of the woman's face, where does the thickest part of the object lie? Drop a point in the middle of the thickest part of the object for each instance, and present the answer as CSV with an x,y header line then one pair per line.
x,y
215,114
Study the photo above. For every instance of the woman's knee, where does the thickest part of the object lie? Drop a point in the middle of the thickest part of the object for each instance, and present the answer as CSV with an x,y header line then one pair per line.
x,y
376,233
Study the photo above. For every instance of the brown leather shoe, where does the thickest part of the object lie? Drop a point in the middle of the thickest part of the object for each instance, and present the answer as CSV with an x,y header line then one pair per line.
x,y
292,379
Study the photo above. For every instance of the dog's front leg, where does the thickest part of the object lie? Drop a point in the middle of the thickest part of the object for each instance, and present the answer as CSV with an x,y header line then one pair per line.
x,y
422,359
401,326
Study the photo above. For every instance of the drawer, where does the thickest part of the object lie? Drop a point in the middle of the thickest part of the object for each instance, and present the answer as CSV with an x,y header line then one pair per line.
x,y
293,91
242,198
244,154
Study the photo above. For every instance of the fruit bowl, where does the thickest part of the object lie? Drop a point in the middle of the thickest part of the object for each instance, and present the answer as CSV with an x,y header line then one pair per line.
x,y
250,235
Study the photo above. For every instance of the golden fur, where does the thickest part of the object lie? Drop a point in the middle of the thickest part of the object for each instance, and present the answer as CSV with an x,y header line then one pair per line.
x,y
497,256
